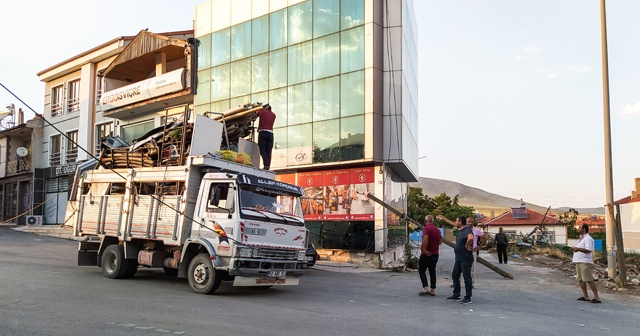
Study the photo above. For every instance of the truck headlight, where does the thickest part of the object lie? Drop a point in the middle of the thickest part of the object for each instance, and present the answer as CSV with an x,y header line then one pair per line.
x,y
302,255
245,252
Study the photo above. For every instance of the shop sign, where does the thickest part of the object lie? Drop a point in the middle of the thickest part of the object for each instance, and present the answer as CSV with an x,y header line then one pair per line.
x,y
149,88
67,169
338,195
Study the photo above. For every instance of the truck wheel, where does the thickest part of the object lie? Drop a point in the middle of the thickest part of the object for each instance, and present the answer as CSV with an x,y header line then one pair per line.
x,y
114,266
203,278
132,268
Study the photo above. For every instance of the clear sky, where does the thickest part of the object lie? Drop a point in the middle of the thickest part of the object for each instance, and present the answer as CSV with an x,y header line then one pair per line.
x,y
510,90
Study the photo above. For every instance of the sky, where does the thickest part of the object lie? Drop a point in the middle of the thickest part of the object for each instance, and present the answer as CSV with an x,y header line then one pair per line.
x,y
510,91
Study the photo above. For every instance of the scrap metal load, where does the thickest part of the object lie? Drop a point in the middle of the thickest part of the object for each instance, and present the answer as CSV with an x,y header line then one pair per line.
x,y
170,145
238,121
162,146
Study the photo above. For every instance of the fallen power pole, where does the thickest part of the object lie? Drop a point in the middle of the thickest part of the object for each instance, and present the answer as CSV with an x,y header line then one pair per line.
x,y
414,225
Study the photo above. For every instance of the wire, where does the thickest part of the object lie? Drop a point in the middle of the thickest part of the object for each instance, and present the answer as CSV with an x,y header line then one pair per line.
x,y
113,170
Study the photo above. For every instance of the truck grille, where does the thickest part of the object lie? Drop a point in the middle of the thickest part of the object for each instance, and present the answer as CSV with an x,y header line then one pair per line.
x,y
275,253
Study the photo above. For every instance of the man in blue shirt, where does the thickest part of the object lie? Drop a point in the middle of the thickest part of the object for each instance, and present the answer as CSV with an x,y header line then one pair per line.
x,y
463,251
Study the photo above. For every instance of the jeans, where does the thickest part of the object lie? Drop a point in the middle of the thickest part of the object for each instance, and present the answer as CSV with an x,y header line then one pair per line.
x,y
428,262
502,253
463,267
265,143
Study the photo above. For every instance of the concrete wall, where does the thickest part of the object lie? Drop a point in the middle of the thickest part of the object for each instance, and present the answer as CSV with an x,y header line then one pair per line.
x,y
630,220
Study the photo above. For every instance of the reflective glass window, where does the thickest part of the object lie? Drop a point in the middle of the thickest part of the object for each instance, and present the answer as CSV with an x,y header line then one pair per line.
x,y
260,73
260,35
280,138
278,29
240,74
326,17
352,13
237,101
241,41
352,138
220,82
260,97
352,94
300,110
204,52
220,106
203,93
326,98
278,102
326,56
300,63
300,22
278,68
299,135
220,47
352,49
326,141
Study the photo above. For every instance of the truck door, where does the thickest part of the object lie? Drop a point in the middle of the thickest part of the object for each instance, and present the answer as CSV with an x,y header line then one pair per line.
x,y
219,214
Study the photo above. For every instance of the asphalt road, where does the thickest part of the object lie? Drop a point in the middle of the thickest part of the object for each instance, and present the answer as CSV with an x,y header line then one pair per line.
x,y
42,292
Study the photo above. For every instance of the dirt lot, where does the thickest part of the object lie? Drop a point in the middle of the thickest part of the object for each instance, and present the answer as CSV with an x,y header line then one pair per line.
x,y
565,271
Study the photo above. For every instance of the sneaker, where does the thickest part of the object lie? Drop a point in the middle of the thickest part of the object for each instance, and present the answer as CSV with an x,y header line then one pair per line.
x,y
465,301
453,297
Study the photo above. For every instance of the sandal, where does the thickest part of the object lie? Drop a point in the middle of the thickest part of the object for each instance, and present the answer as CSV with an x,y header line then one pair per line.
x,y
595,301
582,299
430,294
423,293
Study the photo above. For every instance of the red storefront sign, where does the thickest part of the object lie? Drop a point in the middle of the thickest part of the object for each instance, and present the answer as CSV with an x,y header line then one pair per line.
x,y
339,194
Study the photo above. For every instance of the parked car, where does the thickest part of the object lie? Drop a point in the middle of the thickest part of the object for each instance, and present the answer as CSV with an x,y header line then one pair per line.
x,y
312,255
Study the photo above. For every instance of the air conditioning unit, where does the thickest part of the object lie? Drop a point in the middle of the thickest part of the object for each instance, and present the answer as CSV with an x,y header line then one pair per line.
x,y
34,220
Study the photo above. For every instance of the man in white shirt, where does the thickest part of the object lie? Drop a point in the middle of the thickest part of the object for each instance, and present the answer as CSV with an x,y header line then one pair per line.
x,y
583,259
479,240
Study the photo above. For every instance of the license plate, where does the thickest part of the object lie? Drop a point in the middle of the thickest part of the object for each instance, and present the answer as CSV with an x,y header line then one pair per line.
x,y
277,274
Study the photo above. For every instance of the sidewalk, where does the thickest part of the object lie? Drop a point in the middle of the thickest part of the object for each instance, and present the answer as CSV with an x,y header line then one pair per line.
x,y
47,230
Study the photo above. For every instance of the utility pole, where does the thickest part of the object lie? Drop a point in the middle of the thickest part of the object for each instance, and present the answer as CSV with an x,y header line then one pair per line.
x,y
609,216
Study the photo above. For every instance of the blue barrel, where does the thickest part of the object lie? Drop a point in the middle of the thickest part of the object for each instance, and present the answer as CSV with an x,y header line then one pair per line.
x,y
416,235
597,244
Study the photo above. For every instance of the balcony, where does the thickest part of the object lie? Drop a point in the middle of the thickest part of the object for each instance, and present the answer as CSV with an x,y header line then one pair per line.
x,y
19,166
56,110
73,105
71,155
54,159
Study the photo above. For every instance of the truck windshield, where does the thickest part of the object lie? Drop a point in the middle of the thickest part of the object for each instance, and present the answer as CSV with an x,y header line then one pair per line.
x,y
271,204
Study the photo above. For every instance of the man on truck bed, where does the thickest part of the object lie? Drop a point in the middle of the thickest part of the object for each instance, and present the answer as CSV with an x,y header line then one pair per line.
x,y
265,135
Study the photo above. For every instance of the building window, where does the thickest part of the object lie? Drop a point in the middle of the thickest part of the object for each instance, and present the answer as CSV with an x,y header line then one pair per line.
x,y
57,100
54,150
102,132
71,154
73,101
100,88
133,132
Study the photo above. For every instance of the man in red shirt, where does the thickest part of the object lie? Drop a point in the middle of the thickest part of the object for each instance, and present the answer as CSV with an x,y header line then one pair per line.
x,y
429,252
265,134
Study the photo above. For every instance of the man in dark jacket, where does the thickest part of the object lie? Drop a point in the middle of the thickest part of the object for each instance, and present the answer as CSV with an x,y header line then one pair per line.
x,y
501,243
463,251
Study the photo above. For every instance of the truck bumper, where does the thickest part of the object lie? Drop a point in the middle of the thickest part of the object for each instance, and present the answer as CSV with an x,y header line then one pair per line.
x,y
261,268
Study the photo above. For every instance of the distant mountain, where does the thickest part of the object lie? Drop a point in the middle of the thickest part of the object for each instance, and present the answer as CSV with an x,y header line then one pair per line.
x,y
484,201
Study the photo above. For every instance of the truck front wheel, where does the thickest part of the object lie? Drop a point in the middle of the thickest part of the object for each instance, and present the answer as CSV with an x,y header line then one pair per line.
x,y
114,266
203,278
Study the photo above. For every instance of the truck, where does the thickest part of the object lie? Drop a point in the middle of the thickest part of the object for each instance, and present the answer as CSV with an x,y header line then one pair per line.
x,y
209,220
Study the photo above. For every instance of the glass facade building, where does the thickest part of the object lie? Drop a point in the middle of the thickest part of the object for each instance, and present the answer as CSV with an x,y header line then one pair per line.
x,y
339,75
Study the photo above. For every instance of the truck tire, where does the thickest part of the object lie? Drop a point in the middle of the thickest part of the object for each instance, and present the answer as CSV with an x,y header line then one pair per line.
x,y
132,268
203,278
114,266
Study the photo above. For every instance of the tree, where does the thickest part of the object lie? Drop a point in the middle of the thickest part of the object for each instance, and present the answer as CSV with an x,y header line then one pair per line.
x,y
422,205
569,218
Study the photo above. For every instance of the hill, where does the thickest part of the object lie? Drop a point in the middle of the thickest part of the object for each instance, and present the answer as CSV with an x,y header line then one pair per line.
x,y
484,201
